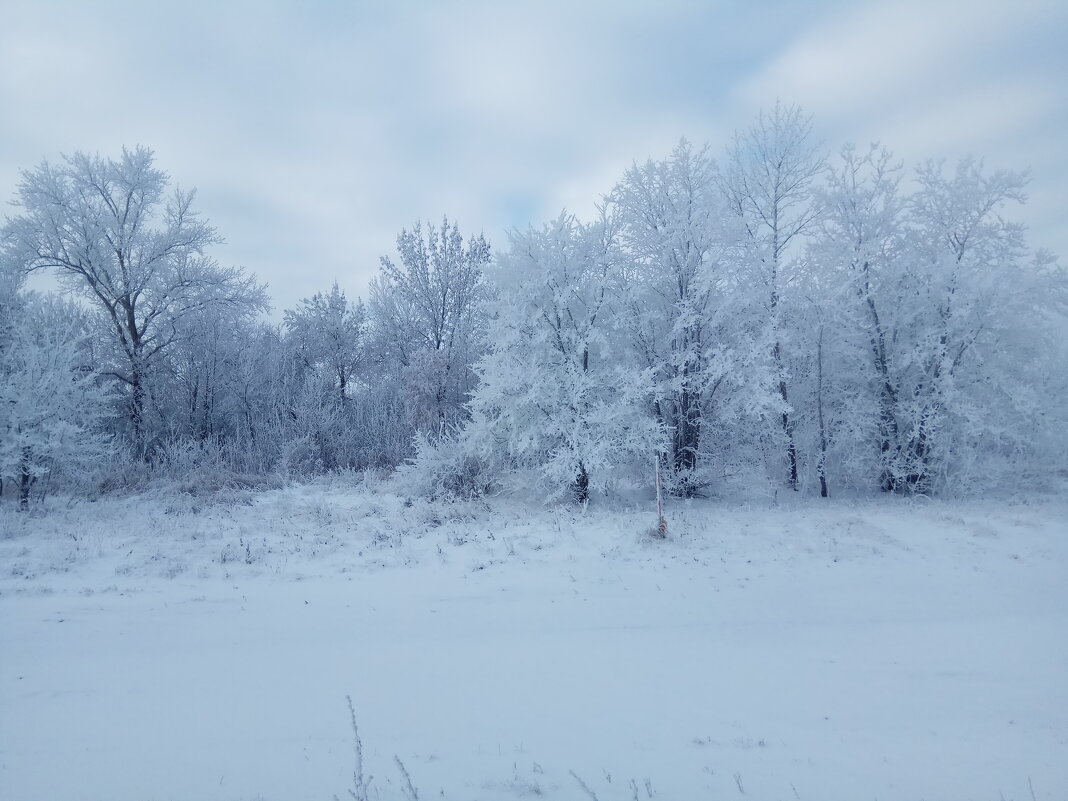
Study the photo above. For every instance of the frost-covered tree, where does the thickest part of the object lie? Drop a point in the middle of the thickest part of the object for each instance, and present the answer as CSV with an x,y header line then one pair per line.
x,y
832,380
201,388
860,250
11,307
313,398
11,301
689,317
114,233
555,395
263,379
328,334
958,324
978,304
767,181
52,401
668,212
428,319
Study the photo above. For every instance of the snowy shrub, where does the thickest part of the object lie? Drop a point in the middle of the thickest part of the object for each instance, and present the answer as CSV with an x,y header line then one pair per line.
x,y
444,469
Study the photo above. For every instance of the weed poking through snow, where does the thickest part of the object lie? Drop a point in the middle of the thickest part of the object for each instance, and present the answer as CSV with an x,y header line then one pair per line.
x,y
361,786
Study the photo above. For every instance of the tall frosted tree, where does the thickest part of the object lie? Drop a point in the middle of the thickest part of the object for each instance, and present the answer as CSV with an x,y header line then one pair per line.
x,y
202,389
767,182
861,247
979,303
328,333
427,316
959,323
114,232
689,317
554,395
668,213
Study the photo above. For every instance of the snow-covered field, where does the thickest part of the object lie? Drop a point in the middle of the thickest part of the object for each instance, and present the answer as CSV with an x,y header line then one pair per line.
x,y
176,647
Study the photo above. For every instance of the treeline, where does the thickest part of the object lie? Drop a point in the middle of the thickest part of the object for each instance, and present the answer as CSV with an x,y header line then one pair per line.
x,y
775,319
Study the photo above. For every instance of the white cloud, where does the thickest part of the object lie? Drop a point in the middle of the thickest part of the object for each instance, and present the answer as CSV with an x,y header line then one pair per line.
x,y
315,132
938,80
872,55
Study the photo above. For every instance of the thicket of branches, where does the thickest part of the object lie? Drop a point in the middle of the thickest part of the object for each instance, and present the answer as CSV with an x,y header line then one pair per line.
x,y
779,318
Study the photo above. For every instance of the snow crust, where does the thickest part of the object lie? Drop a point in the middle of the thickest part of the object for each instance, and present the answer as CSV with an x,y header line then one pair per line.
x,y
169,646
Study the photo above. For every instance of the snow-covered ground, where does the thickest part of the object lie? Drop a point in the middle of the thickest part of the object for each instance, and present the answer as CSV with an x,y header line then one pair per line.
x,y
175,647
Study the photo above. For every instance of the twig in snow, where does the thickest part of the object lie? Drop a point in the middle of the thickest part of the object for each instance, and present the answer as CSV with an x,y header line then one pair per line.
x,y
738,781
359,784
409,792
584,786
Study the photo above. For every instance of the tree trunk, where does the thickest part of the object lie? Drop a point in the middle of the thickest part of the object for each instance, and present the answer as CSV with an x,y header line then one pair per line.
x,y
888,480
791,447
822,466
684,445
137,414
25,480
888,430
582,484
918,480
687,439
787,426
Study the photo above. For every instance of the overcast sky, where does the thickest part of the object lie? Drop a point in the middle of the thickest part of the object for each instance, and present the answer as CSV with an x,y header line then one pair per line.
x,y
315,131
